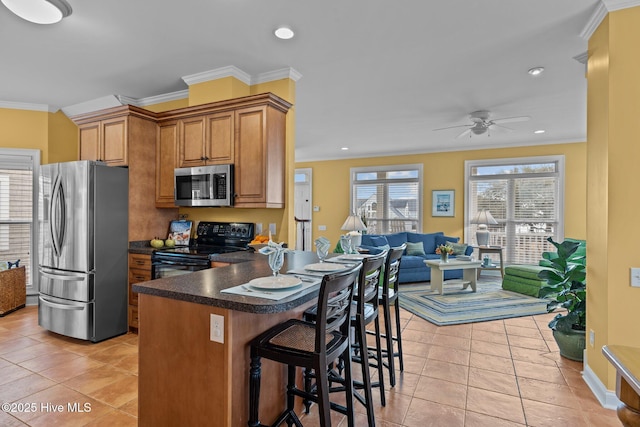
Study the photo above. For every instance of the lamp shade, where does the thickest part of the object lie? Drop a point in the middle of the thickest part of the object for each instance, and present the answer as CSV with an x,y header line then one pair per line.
x,y
39,11
483,217
353,223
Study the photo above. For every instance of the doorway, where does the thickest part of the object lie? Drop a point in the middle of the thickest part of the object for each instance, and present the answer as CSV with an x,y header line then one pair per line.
x,y
303,209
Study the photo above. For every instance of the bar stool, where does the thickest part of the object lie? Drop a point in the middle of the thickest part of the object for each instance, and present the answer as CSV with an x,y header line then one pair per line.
x,y
311,346
388,297
364,310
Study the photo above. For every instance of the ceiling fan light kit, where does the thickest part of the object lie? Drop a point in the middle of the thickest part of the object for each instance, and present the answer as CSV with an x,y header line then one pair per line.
x,y
39,11
535,71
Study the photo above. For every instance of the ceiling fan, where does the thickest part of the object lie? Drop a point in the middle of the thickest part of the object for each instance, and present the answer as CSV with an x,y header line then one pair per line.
x,y
480,123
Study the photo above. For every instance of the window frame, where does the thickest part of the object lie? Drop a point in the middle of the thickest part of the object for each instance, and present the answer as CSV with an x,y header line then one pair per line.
x,y
559,160
34,156
390,168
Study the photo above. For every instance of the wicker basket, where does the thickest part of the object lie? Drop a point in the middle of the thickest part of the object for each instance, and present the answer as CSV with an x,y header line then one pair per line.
x,y
13,290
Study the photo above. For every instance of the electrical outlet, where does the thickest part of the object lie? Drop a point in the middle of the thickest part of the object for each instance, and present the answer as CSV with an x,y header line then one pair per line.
x,y
322,228
592,337
635,277
272,228
217,328
259,228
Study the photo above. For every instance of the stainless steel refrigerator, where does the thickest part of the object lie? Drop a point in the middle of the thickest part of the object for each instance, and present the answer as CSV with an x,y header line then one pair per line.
x,y
83,249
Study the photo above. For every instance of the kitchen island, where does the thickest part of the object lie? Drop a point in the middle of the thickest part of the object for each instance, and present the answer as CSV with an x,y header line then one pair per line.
x,y
185,378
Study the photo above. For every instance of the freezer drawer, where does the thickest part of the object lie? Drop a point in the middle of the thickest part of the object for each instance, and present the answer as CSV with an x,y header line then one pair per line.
x,y
70,318
67,285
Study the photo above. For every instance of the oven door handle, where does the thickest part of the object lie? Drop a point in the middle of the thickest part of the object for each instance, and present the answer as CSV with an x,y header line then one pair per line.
x,y
184,262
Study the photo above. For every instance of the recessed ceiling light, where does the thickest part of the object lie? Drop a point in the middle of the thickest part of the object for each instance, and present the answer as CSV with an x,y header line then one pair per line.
x,y
284,33
39,11
535,71
344,148
539,131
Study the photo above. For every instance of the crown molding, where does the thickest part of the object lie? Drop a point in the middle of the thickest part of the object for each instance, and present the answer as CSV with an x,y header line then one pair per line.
x,y
603,8
620,4
151,100
25,106
108,101
218,73
283,73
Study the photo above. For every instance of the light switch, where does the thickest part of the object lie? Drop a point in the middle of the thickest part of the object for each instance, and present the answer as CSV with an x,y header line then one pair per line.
x,y
259,228
272,228
635,277
316,208
322,227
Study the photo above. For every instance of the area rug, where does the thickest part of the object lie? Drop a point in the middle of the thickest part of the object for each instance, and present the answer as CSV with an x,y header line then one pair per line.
x,y
457,306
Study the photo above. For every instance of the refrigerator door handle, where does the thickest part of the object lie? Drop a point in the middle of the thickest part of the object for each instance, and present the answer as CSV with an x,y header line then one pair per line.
x,y
61,306
57,216
58,276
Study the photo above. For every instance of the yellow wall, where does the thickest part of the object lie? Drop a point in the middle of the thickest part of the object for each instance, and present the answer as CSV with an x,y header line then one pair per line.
x,y
442,171
168,105
63,139
52,133
217,90
25,129
613,107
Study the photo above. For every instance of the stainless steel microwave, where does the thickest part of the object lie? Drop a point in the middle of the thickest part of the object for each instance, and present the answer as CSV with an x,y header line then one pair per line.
x,y
204,186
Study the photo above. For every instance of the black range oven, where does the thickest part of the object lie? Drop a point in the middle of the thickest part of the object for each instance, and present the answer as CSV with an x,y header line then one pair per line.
x,y
211,238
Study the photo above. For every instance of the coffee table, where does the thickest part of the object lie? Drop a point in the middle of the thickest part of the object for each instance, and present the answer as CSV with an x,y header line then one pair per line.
x,y
438,268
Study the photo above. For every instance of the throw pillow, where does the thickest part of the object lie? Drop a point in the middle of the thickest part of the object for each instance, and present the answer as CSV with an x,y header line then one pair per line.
x,y
416,249
383,248
458,248
442,240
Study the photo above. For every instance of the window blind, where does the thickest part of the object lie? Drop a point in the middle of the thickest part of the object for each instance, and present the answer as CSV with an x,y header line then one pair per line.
x,y
388,198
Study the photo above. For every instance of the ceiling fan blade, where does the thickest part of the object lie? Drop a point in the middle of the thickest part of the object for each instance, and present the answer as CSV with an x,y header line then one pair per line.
x,y
494,125
453,127
468,131
512,119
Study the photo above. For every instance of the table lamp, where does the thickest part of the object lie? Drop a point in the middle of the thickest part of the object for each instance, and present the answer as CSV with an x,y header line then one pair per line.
x,y
354,225
482,218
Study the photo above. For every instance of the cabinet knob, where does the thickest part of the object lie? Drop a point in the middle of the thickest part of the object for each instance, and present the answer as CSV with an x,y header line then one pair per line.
x,y
203,158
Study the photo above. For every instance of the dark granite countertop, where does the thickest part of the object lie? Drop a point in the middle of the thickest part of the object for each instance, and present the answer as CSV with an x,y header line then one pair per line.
x,y
141,247
204,286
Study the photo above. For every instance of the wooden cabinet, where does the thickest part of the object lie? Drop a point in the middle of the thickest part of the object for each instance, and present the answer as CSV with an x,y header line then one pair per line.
x,y
105,140
139,271
206,140
166,158
259,157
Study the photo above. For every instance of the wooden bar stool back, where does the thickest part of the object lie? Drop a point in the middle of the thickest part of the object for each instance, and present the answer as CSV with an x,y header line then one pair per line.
x,y
311,346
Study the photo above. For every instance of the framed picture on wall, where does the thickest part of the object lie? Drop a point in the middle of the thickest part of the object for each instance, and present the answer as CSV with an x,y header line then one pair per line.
x,y
443,203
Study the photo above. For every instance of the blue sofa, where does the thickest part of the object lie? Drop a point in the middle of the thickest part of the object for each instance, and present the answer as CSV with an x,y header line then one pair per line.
x,y
412,267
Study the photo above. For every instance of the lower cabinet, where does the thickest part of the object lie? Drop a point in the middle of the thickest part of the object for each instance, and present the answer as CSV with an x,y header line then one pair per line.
x,y
139,271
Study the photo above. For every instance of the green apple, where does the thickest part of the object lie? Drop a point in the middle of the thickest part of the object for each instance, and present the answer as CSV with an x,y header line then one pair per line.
x,y
169,243
156,243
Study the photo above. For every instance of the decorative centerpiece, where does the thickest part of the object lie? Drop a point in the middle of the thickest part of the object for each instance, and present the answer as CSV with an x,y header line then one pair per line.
x,y
444,251
275,252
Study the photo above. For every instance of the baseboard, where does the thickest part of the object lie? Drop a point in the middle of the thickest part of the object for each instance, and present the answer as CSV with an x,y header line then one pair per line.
x,y
32,299
607,398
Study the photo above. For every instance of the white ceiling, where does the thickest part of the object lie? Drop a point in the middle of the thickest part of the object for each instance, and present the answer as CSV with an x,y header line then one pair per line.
x,y
377,75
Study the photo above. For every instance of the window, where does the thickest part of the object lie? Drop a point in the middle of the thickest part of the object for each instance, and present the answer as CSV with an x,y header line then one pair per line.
x,y
526,198
18,201
388,198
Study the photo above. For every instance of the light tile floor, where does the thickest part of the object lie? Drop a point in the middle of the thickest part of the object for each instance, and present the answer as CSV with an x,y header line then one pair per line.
x,y
499,373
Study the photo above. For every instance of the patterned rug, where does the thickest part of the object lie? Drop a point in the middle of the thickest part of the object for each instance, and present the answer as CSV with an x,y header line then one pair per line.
x,y
457,306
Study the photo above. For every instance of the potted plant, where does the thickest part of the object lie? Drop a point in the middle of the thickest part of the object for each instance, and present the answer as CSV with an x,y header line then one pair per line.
x,y
566,288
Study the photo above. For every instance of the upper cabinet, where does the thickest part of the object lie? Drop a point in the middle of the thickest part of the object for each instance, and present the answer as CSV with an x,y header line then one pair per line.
x,y
105,140
206,140
248,132
105,135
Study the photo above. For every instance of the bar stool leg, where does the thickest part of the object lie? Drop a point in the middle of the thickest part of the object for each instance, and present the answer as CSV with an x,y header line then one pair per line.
x,y
254,391
389,337
398,334
383,399
322,387
366,378
348,377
